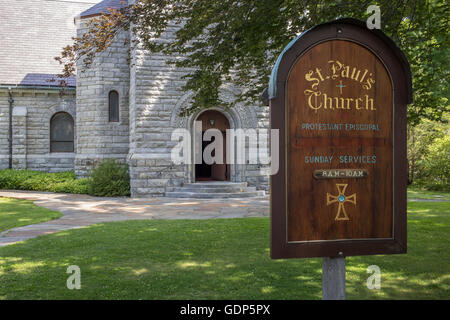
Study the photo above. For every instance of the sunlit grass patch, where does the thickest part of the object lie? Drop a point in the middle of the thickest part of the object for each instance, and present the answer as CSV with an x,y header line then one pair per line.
x,y
17,213
416,193
216,259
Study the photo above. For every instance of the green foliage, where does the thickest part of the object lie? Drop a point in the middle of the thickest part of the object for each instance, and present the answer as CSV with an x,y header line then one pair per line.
x,y
429,155
224,41
435,173
65,182
110,179
424,38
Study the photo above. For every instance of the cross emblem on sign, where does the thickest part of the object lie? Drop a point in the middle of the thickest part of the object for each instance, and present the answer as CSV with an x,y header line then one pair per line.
x,y
340,86
341,198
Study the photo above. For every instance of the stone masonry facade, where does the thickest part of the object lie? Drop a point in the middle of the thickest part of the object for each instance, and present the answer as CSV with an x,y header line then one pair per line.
x,y
97,138
32,33
150,99
31,114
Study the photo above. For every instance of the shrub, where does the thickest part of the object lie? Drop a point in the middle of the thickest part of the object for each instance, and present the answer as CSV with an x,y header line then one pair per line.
x,y
429,154
435,174
42,181
110,179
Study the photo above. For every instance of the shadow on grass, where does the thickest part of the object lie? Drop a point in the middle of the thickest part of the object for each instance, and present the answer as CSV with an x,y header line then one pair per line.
x,y
215,259
422,273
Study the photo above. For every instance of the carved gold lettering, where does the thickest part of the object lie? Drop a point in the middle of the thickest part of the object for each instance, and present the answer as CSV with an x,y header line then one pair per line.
x,y
364,75
314,104
328,101
369,101
355,74
369,83
339,102
337,70
357,104
345,72
319,74
348,102
308,77
317,100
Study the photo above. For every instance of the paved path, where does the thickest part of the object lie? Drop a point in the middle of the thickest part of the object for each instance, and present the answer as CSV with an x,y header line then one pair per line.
x,y
82,210
427,200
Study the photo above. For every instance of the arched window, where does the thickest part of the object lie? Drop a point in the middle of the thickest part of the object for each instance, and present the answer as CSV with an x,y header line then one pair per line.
x,y
61,133
113,106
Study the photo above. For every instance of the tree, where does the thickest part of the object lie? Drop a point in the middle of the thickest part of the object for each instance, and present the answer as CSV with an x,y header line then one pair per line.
x,y
429,154
239,41
419,138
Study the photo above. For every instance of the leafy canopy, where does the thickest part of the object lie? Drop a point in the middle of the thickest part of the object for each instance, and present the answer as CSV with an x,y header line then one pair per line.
x,y
233,41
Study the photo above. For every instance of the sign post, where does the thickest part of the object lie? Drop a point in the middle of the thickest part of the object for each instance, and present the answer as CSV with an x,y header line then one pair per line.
x,y
333,279
338,96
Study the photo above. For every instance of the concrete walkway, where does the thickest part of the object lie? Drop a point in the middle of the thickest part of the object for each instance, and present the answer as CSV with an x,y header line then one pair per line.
x,y
82,210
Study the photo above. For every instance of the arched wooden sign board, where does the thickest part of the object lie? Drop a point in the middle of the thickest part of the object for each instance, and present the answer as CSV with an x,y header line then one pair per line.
x,y
338,95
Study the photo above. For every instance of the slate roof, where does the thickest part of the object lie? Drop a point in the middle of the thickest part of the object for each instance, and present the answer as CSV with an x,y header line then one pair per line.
x,y
32,33
46,80
101,7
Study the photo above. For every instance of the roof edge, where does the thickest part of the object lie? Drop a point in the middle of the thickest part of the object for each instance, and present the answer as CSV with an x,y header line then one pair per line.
x,y
24,87
102,8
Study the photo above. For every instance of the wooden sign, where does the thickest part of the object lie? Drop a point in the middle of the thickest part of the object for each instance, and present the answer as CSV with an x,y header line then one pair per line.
x,y
338,95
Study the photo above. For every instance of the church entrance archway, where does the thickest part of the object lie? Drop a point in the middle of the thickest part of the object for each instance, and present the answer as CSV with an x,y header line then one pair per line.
x,y
212,119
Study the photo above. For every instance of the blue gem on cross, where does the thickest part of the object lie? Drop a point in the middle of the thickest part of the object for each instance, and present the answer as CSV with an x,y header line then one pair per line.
x,y
340,86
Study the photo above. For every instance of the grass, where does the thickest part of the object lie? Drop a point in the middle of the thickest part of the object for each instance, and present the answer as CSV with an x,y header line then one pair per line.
x,y
17,213
416,193
215,259
422,273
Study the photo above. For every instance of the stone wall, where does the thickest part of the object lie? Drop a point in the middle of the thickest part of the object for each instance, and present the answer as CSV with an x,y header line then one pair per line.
x,y
155,100
19,145
4,129
150,100
32,112
97,137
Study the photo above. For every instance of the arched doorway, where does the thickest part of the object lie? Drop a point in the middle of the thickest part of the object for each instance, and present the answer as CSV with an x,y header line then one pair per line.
x,y
212,119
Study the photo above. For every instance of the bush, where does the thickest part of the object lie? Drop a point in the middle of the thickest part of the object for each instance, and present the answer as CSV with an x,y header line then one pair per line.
x,y
435,173
42,181
429,155
110,179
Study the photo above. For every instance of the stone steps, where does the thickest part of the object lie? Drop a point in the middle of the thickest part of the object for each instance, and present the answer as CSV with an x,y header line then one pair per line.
x,y
215,190
215,184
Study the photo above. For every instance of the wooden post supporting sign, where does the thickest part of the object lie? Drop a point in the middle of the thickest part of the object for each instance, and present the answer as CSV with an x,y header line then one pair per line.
x,y
338,96
333,279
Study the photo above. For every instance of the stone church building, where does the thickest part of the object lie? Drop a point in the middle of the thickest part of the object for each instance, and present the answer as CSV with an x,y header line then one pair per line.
x,y
125,106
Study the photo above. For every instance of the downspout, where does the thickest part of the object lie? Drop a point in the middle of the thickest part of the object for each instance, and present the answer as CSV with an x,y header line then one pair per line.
x,y
11,102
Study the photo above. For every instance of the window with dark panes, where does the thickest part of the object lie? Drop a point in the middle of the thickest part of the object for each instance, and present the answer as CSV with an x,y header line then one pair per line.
x,y
61,133
113,106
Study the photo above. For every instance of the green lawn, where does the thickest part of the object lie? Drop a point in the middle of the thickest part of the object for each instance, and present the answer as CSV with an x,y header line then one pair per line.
x,y
415,193
215,259
17,213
